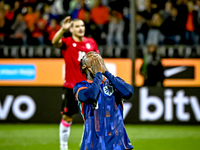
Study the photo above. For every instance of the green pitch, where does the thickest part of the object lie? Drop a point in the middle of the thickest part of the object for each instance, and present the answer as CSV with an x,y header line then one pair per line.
x,y
143,137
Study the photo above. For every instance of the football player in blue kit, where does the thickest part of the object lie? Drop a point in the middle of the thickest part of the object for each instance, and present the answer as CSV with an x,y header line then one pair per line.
x,y
101,103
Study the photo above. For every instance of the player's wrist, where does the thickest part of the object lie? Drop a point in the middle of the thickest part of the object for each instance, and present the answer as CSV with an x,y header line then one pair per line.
x,y
63,29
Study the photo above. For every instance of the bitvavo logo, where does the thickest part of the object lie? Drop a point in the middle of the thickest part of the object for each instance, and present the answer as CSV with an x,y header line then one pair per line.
x,y
16,107
166,107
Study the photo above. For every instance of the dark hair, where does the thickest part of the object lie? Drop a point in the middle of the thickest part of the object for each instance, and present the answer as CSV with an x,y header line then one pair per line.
x,y
83,71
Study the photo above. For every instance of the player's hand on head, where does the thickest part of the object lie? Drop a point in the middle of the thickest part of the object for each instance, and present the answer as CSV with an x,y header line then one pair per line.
x,y
104,69
67,22
97,65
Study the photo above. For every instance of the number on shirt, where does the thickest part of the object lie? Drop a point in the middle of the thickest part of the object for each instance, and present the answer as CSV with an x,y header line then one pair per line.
x,y
80,55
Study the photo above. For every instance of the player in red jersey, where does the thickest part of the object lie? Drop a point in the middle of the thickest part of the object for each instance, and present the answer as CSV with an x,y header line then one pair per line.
x,y
73,49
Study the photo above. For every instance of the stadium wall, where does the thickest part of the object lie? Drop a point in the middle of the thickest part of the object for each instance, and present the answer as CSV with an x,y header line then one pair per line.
x,y
148,105
30,92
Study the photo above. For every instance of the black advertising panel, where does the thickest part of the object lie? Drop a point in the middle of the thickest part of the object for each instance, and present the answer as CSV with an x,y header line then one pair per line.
x,y
30,104
177,72
148,105
158,105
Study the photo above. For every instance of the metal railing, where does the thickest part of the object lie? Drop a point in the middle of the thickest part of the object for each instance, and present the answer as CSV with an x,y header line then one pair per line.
x,y
46,51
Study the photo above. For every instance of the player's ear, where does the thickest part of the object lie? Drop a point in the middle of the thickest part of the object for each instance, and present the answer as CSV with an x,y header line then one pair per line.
x,y
71,30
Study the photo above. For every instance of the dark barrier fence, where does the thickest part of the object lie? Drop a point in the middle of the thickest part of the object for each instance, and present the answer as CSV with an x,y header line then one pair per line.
x,y
148,105
46,51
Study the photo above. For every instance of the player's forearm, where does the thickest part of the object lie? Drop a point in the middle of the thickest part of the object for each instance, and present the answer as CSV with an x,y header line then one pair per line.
x,y
58,36
125,89
91,93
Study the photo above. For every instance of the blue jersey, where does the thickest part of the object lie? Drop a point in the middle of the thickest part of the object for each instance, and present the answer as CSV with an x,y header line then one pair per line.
x,y
102,110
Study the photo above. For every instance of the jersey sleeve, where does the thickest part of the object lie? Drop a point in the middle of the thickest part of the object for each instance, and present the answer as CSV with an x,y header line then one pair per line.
x,y
88,93
79,86
123,88
95,46
64,44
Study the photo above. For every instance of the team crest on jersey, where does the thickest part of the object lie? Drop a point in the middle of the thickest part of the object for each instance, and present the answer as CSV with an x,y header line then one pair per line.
x,y
74,44
108,90
88,46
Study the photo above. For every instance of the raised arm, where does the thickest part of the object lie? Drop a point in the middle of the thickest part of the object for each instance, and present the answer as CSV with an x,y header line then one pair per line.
x,y
123,88
57,42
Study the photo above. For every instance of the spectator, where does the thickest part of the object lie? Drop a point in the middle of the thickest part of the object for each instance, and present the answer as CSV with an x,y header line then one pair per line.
x,y
3,27
38,29
19,28
81,12
78,11
126,18
9,14
165,13
151,7
141,29
171,29
57,8
154,36
152,69
157,5
30,17
77,7
181,6
52,29
198,10
72,6
115,34
16,9
141,5
100,14
117,5
1,5
66,6
198,14
47,15
148,12
92,29
181,3
191,25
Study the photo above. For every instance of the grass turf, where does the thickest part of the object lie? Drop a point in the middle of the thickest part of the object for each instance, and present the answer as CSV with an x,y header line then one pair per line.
x,y
143,137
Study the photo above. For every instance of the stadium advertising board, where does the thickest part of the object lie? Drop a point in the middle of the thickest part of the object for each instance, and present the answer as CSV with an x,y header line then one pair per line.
x,y
178,100
178,72
147,105
30,104
155,105
35,105
177,104
169,105
50,72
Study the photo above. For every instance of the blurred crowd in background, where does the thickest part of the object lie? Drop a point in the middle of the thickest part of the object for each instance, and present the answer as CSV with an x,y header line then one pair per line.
x,y
168,22
158,22
168,29
35,22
